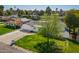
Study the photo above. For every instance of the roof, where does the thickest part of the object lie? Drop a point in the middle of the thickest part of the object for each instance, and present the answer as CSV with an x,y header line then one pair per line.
x,y
13,16
25,19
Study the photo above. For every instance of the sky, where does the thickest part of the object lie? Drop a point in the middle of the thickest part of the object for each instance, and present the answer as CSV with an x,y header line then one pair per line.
x,y
42,7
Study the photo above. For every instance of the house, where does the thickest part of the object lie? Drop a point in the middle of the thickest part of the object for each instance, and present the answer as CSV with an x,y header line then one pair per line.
x,y
14,22
25,20
14,16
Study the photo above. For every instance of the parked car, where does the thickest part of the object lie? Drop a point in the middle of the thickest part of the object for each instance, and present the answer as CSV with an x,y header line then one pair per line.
x,y
28,28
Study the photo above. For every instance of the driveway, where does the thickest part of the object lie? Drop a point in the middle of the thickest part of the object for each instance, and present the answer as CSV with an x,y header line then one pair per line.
x,y
7,49
5,41
7,38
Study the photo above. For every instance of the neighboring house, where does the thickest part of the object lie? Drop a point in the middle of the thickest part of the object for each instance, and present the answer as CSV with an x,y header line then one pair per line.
x,y
13,16
17,21
14,22
25,20
35,16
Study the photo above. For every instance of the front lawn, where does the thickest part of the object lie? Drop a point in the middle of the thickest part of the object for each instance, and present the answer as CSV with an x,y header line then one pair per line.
x,y
4,30
32,43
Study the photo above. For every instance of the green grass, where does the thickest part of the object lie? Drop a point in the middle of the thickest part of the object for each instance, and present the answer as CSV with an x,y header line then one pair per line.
x,y
4,30
44,17
29,42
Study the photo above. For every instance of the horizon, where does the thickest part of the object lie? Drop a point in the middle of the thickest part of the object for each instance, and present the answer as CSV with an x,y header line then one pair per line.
x,y
42,7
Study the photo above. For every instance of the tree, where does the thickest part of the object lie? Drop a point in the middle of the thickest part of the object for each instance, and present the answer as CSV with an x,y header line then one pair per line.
x,y
26,12
41,12
48,10
61,12
1,10
11,11
35,12
56,10
8,13
53,27
72,23
20,12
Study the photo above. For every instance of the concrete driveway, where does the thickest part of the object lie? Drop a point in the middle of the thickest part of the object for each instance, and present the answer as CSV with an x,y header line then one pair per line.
x,y
7,49
15,35
5,41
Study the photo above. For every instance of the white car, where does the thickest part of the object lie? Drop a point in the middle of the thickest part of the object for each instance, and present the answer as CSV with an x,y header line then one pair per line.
x,y
28,28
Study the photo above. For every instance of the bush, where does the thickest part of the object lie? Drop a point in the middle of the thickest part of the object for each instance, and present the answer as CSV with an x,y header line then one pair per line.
x,y
45,48
12,27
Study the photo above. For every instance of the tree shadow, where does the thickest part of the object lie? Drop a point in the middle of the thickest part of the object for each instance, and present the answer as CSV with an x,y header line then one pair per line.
x,y
73,41
44,47
29,31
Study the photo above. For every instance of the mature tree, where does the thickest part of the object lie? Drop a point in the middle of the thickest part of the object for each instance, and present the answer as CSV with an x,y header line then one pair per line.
x,y
26,12
8,13
41,12
35,12
56,10
1,7
11,10
1,10
72,23
20,12
53,28
48,10
30,12
61,12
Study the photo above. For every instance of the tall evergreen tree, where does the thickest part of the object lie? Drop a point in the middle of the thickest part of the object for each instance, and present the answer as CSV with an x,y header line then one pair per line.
x,y
1,10
48,10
